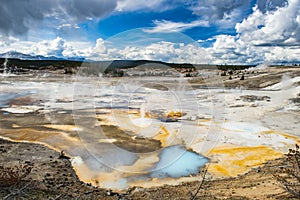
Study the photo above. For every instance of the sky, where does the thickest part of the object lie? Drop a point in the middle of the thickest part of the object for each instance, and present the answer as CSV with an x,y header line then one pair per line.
x,y
180,31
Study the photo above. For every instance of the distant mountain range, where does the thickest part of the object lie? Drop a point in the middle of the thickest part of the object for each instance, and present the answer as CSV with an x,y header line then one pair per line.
x,y
22,56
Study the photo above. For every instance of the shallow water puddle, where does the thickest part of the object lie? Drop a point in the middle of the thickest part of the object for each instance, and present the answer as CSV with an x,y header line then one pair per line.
x,y
176,162
172,162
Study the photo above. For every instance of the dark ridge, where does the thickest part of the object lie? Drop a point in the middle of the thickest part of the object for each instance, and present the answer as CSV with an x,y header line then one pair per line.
x,y
234,67
39,64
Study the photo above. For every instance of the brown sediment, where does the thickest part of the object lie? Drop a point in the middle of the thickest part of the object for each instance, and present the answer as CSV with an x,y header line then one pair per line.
x,y
35,119
68,128
23,101
27,134
130,142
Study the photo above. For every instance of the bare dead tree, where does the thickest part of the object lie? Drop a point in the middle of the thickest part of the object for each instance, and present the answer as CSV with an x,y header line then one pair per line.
x,y
203,175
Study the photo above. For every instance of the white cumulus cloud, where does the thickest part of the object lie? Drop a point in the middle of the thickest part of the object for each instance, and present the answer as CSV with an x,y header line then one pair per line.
x,y
279,28
271,36
48,48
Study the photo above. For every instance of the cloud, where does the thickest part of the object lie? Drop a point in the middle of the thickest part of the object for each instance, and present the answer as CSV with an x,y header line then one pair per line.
x,y
98,52
272,36
217,10
48,48
83,10
17,17
270,5
68,26
150,5
165,26
131,5
163,51
280,27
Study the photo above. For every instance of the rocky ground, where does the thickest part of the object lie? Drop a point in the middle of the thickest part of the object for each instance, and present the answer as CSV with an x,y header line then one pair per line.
x,y
52,177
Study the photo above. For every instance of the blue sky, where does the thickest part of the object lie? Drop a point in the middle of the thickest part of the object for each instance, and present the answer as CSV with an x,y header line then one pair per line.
x,y
123,21
118,22
195,31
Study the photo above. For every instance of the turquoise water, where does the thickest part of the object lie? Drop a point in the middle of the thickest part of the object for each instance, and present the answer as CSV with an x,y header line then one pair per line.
x,y
175,162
